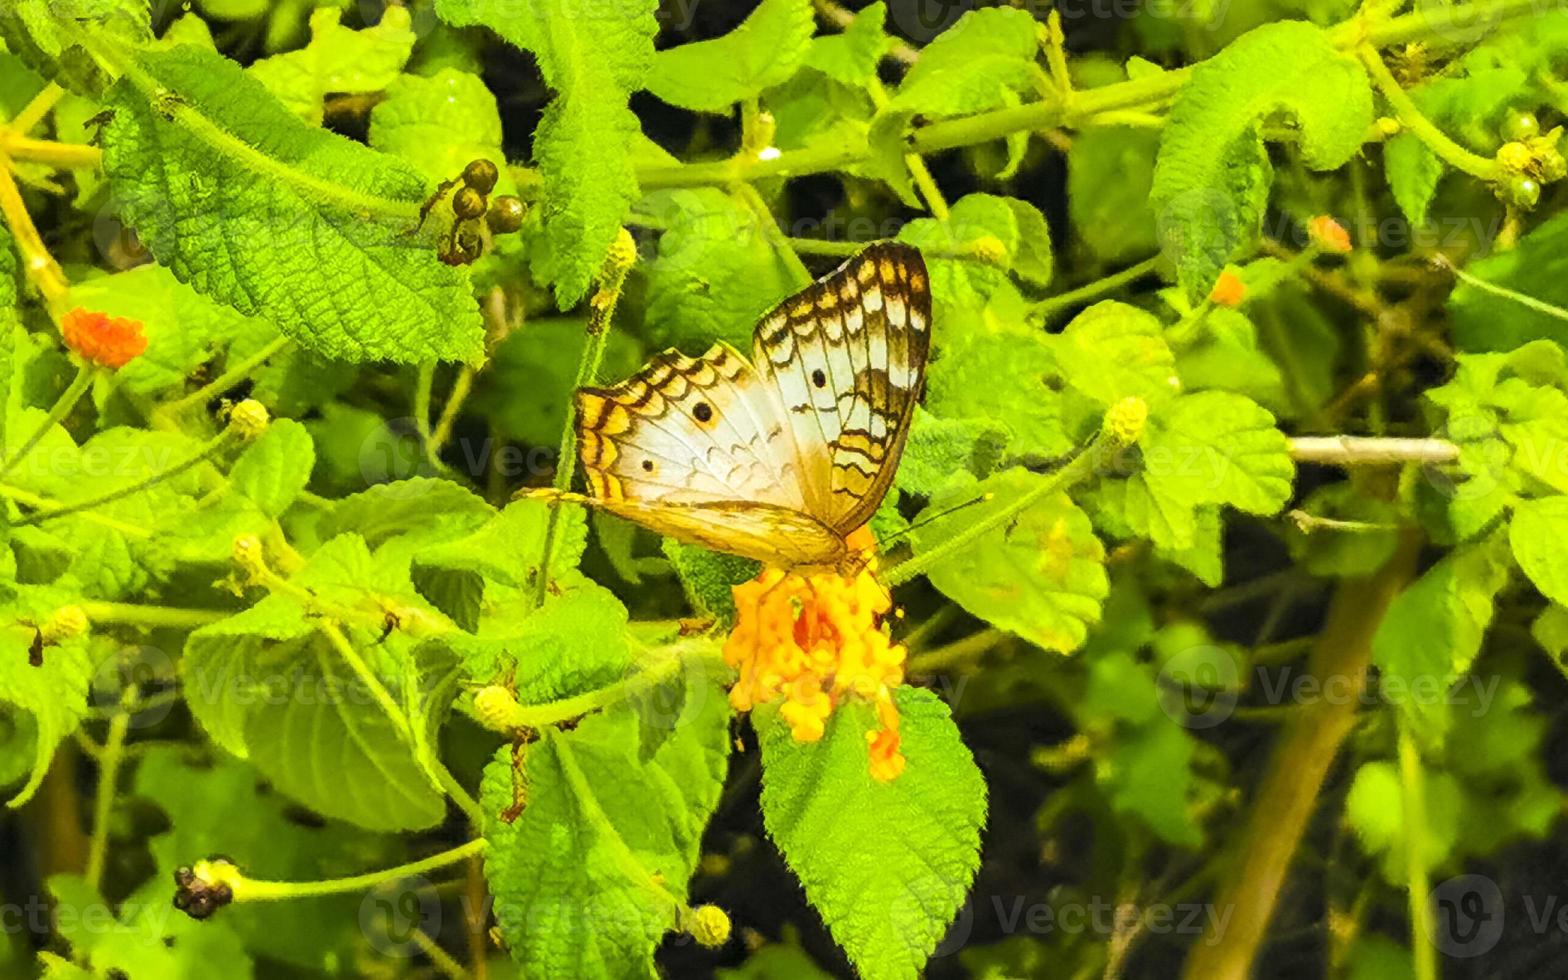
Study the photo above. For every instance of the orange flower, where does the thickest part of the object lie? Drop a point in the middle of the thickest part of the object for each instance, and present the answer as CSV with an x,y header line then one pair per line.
x,y
1228,290
813,642
111,342
1329,235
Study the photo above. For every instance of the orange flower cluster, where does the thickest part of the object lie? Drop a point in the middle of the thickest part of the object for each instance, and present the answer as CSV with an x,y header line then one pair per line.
x,y
1228,290
111,342
815,641
1329,235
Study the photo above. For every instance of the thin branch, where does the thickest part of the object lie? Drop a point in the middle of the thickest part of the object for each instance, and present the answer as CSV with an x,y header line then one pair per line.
x,y
1368,451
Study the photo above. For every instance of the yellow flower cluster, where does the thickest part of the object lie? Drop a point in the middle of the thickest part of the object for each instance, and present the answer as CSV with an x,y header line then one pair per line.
x,y
814,641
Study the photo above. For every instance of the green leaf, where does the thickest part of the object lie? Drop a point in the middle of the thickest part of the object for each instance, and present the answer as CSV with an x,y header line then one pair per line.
x,y
1433,630
1212,178
887,897
1149,775
1228,356
1018,225
52,694
575,642
940,448
594,58
713,75
1000,376
1537,532
428,508
708,576
1375,810
270,685
184,329
337,60
851,57
272,471
47,36
146,938
1113,351
1110,172
1537,267
439,123
1214,447
529,383
984,61
586,878
279,219
505,551
1041,575
716,272
256,830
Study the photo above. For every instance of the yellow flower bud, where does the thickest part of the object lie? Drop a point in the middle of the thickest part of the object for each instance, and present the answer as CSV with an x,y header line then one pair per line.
x,y
1125,421
248,554
708,924
989,248
495,706
249,418
1515,157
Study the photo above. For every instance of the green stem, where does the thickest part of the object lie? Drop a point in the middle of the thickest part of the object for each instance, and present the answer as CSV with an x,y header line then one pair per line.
x,y
109,759
601,312
30,499
1079,468
1420,126
257,890
1502,292
461,796
59,410
1048,308
540,716
367,677
449,411
770,230
954,654
227,379
213,446
1413,795
129,614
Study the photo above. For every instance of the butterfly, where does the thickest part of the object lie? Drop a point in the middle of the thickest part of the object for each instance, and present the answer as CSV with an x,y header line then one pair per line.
x,y
781,457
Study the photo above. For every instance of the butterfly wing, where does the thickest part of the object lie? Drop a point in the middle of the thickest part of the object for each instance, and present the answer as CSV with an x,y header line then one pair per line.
x,y
696,448
846,359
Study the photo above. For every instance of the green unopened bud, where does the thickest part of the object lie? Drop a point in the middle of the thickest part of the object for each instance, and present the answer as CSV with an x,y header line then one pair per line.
x,y
621,255
496,707
249,419
248,554
1125,421
68,622
1389,126
708,924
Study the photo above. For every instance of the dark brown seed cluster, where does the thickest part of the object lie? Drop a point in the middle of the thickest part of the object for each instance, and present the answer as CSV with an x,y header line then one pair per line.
x,y
471,202
198,898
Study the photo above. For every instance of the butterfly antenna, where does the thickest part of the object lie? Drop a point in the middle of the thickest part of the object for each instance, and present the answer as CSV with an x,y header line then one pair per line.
x,y
936,517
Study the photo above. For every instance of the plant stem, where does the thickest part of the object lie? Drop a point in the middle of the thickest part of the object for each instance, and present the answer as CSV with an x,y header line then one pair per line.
x,y
676,659
367,677
1079,468
36,109
1413,796
1309,740
57,412
228,378
1529,302
215,445
40,266
151,617
1371,451
257,890
955,653
1047,308
1420,126
443,961
30,499
66,156
601,312
449,411
108,776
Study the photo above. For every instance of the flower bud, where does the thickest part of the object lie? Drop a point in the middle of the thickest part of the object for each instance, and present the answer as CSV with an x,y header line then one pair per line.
x,y
1125,421
68,622
249,419
708,924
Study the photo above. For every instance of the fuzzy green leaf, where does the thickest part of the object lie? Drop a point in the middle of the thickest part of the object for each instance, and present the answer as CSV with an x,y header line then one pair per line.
x,y
1212,179
1041,575
1214,447
278,219
851,57
272,471
713,75
594,57
1000,377
586,878
887,864
1112,351
1537,533
440,123
144,937
940,448
336,60
53,694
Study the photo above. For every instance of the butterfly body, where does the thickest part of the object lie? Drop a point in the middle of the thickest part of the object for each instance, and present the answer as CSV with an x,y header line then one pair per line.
x,y
780,457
